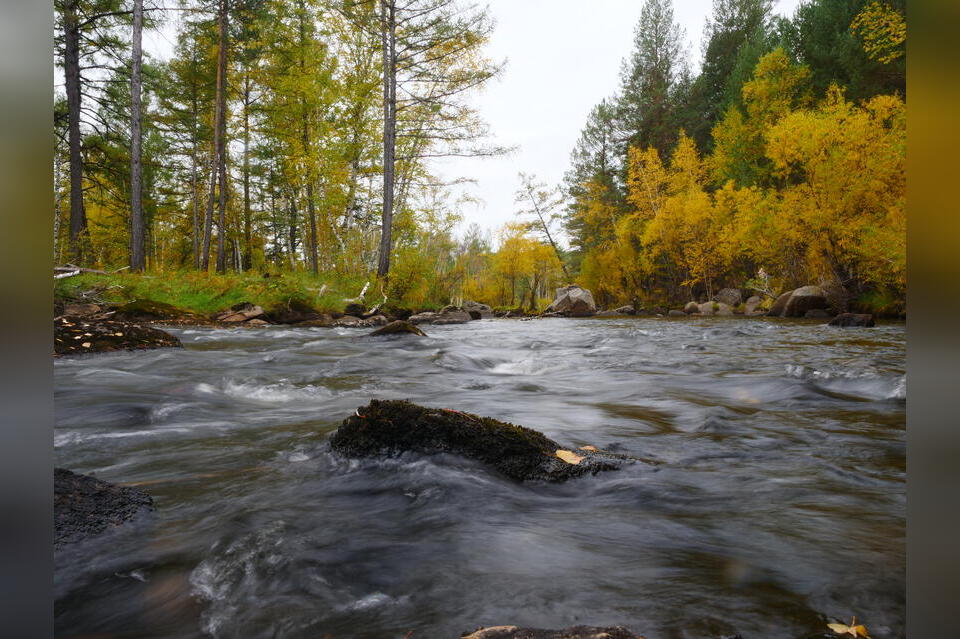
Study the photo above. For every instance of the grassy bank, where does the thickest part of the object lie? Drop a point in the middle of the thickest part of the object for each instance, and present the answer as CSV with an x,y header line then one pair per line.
x,y
207,293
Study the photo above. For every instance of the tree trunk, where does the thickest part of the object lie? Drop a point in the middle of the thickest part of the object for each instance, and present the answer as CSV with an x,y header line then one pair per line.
x,y
71,71
247,235
137,246
217,160
388,30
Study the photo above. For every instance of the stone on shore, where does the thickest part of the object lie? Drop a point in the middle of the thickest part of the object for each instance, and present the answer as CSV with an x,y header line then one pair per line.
x,y
729,296
151,311
576,632
85,506
751,305
392,427
476,310
779,305
803,299
691,307
242,312
676,313
573,301
72,336
398,327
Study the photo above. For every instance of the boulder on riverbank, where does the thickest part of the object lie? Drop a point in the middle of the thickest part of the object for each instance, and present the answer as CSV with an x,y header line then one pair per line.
x,y
862,320
393,427
804,299
573,301
85,506
73,335
152,311
398,327
242,312
477,311
576,632
729,296
691,307
449,315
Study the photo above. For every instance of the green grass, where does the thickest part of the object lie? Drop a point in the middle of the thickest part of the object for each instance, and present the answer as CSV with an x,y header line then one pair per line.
x,y
207,293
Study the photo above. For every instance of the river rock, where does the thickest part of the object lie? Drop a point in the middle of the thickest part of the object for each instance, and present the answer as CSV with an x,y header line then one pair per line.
x,y
391,427
676,313
151,311
72,335
446,317
476,310
256,322
85,506
864,320
729,296
626,310
691,307
293,312
573,301
804,299
398,327
240,313
80,310
354,309
423,318
780,304
816,313
750,306
575,632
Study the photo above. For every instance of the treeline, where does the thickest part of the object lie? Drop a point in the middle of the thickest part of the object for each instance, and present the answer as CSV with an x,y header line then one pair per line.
x,y
780,164
281,134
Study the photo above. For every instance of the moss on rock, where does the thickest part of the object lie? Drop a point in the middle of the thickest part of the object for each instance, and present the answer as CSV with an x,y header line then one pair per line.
x,y
390,427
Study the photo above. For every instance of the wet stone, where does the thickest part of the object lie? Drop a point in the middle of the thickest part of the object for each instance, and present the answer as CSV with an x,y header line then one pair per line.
x,y
84,506
72,336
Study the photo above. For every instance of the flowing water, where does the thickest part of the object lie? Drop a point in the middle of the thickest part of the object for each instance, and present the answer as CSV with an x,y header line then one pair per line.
x,y
773,500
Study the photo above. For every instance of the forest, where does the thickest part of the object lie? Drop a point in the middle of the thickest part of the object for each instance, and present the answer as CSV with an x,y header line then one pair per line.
x,y
295,138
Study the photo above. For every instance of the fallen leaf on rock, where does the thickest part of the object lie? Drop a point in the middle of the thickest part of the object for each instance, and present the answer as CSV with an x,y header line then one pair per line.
x,y
86,345
568,456
590,448
853,629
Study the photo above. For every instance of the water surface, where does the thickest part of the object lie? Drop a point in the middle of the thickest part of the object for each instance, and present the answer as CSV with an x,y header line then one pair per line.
x,y
773,500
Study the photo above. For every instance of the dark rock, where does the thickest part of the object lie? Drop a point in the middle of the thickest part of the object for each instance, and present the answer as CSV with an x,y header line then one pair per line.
x,y
293,312
816,313
573,301
448,316
355,309
610,313
73,335
324,321
729,296
691,307
804,299
398,327
393,427
575,632
626,310
477,310
85,506
676,313
863,320
150,311
780,305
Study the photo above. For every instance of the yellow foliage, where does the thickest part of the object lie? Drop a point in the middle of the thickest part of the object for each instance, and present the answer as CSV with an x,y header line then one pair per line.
x,y
883,31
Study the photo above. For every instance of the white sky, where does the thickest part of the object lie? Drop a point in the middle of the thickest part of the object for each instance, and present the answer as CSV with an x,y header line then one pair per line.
x,y
563,57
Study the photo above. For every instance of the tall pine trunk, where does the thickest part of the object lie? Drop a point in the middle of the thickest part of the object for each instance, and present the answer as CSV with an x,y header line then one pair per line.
x,y
217,159
388,30
247,257
137,230
71,71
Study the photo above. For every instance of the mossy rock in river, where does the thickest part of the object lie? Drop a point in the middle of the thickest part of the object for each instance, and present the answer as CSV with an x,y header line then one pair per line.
x,y
576,632
73,335
85,506
392,427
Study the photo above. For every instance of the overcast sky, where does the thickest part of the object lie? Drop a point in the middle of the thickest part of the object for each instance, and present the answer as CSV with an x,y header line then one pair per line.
x,y
563,57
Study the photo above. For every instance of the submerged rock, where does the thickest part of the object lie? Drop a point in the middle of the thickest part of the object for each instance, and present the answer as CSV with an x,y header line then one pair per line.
x,y
864,320
391,427
72,335
85,506
576,632
398,327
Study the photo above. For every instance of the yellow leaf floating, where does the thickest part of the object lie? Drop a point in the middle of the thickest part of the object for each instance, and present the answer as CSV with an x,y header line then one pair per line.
x,y
853,629
592,449
568,456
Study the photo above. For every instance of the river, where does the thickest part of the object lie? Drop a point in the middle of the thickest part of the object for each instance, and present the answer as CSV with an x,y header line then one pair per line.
x,y
773,498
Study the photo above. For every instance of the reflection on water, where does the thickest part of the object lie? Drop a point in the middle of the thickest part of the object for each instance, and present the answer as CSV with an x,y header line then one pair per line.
x,y
776,498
